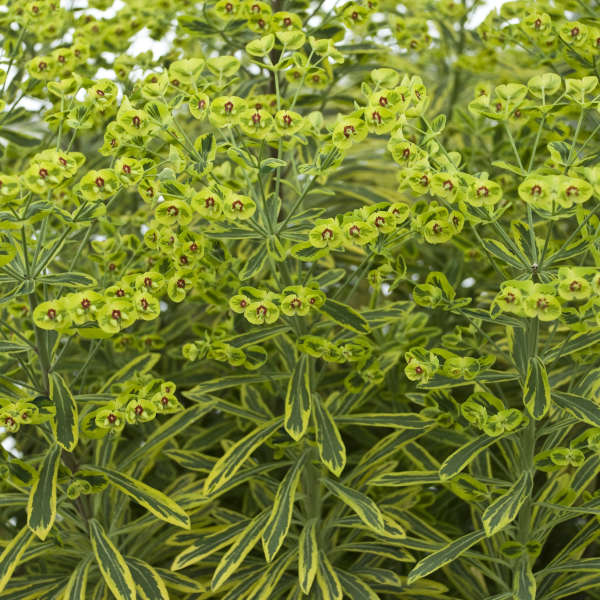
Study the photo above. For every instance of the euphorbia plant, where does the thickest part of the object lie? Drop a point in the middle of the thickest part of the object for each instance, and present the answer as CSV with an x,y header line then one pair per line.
x,y
306,305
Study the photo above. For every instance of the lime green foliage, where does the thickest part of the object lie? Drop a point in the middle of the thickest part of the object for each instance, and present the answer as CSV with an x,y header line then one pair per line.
x,y
302,302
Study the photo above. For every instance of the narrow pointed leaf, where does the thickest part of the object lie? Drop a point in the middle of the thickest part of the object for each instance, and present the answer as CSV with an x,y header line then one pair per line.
x,y
327,580
524,585
227,466
329,441
582,408
12,553
445,555
297,400
366,510
207,545
536,393
77,586
113,567
504,510
67,426
354,587
41,508
345,316
148,582
308,556
238,551
281,513
459,459
159,504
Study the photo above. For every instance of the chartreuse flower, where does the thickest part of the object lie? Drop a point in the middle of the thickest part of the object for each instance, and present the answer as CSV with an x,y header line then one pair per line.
x,y
348,131
261,312
178,285
10,188
135,122
116,315
238,207
285,21
208,203
465,367
572,284
288,122
298,300
111,418
421,364
228,9
541,302
52,314
225,111
406,153
103,93
173,212
42,67
383,221
224,352
503,422
239,303
147,307
139,411
578,90
128,170
96,186
186,71
446,185
83,306
326,234
400,211
359,232
481,192
199,105
42,176
255,123
151,281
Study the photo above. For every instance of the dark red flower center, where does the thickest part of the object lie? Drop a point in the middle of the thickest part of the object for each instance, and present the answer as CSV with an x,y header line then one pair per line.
x,y
327,234
376,116
536,190
228,106
237,205
483,191
181,283
85,303
51,313
43,173
354,231
287,120
139,409
136,121
172,211
112,418
116,314
349,130
99,182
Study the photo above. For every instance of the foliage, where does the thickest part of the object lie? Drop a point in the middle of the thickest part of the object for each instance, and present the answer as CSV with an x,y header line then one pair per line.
x,y
306,303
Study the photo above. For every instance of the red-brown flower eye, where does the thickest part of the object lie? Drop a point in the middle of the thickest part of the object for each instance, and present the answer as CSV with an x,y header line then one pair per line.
x,y
85,303
9,421
448,185
181,283
383,101
406,153
575,286
542,303
316,78
418,94
229,7
437,228
144,303
536,190
455,221
379,221
116,314
100,92
537,23
237,205
136,121
126,169
287,21
139,409
147,282
77,53
261,311
112,267
517,114
209,202
175,82
413,44
258,106
296,303
62,161
112,418
164,401
120,293
354,16
99,182
201,104
255,8
483,191
243,303
193,247
312,300
572,190
51,314
228,106
150,192
297,75
510,297
376,117
418,370
43,173
42,66
327,234
256,118
261,23
35,9
113,143
424,181
61,59
575,32
24,416
287,120
183,260
354,231
172,211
